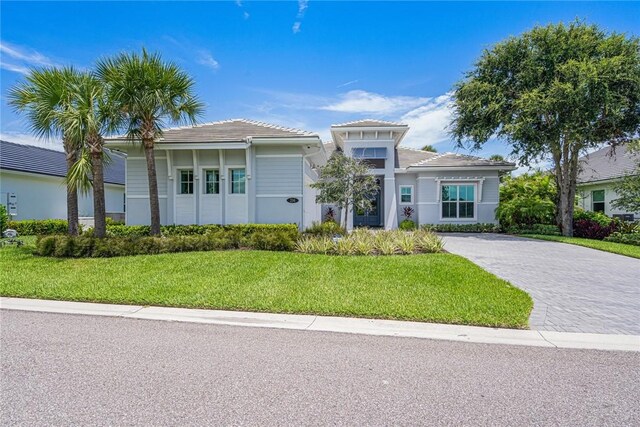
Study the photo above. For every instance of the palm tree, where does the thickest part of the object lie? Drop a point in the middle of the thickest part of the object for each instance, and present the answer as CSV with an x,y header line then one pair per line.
x,y
89,117
430,148
44,96
149,92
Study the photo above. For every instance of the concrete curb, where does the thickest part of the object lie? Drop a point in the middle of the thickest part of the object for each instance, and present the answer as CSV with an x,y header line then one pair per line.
x,y
474,334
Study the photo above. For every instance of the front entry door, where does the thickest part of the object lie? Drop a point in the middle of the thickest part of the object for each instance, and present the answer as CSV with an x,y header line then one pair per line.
x,y
372,217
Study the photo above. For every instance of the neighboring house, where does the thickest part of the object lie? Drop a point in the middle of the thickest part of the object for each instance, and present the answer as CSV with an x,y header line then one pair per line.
x,y
599,171
243,171
32,183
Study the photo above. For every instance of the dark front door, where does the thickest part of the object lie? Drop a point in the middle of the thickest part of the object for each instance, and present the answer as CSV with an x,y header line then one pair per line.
x,y
372,217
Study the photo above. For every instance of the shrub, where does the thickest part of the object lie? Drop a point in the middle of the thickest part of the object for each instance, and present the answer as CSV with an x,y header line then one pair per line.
x,y
39,227
462,228
526,200
598,217
407,224
272,241
544,229
592,229
327,228
4,218
367,242
626,238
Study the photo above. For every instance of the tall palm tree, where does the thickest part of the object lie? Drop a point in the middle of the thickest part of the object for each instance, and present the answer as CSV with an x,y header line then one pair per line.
x,y
44,96
90,116
149,92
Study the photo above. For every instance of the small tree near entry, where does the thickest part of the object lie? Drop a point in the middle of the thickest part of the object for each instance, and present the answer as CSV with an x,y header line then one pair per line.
x,y
628,189
345,182
552,93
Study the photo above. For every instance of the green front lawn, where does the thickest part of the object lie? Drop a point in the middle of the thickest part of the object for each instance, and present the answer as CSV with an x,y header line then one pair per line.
x,y
613,247
433,287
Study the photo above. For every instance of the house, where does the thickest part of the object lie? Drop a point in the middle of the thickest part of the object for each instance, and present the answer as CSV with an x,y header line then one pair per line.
x,y
32,183
243,171
599,171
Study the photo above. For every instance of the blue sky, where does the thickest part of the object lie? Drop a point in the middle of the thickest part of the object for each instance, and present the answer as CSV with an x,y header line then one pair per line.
x,y
299,64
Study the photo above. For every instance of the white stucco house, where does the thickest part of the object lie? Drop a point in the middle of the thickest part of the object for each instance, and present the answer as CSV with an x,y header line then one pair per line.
x,y
32,184
243,171
599,171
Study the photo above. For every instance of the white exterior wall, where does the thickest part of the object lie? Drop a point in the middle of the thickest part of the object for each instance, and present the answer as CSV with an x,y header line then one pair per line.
x,y
586,202
402,180
429,205
45,197
368,140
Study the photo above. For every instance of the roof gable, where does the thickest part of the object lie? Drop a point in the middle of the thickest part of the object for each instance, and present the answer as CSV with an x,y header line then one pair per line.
x,y
369,123
234,130
606,164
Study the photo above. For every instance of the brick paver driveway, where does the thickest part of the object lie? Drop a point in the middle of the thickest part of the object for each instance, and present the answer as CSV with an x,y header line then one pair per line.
x,y
574,289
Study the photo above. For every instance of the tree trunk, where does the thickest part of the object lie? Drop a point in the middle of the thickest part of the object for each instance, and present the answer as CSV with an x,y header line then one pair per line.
x,y
566,169
72,195
154,204
97,171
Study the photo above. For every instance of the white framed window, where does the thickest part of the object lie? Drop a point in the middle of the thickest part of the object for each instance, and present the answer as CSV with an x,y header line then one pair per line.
x,y
211,181
186,182
406,194
458,201
369,153
238,181
597,201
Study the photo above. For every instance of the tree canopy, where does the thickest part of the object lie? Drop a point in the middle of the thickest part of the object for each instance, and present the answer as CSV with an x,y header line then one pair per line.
x,y
551,94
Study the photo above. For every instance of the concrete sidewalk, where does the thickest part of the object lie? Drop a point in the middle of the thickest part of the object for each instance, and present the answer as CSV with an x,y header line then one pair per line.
x,y
396,328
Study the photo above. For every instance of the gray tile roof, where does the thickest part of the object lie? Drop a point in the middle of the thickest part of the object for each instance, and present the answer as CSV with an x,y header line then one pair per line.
x,y
459,160
368,123
234,130
44,161
411,157
605,164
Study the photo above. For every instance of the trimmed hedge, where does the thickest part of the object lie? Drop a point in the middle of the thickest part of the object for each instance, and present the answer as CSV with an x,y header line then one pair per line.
x,y
4,218
544,229
89,246
626,238
39,227
462,228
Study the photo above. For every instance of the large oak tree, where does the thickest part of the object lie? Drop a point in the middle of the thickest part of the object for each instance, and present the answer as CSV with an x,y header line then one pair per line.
x,y
552,94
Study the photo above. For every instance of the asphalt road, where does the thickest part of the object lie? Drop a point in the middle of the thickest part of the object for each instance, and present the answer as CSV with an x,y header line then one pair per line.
x,y
81,370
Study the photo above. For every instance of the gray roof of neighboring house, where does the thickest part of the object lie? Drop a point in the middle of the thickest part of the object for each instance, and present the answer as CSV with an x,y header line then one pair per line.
x,y
234,130
606,164
44,161
369,123
411,157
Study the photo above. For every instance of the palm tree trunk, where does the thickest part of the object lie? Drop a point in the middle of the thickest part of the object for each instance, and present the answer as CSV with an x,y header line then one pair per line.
x,y
72,195
99,209
154,203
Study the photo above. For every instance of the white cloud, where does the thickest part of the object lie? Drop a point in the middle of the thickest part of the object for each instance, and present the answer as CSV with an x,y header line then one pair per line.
x,y
205,58
28,139
428,122
22,58
239,3
363,102
302,8
349,83
245,15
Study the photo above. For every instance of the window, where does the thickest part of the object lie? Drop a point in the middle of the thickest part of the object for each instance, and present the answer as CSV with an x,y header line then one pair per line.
x,y
370,153
597,200
458,201
186,182
406,194
211,181
237,181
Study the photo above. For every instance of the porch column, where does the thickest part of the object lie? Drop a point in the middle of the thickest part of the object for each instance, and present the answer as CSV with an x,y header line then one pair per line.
x,y
390,204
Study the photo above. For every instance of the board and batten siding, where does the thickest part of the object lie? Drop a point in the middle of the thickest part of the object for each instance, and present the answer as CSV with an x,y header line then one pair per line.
x,y
279,177
137,190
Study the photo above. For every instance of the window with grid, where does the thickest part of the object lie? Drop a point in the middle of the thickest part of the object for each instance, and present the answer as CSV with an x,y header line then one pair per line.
x,y
406,194
238,181
186,182
458,201
211,181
